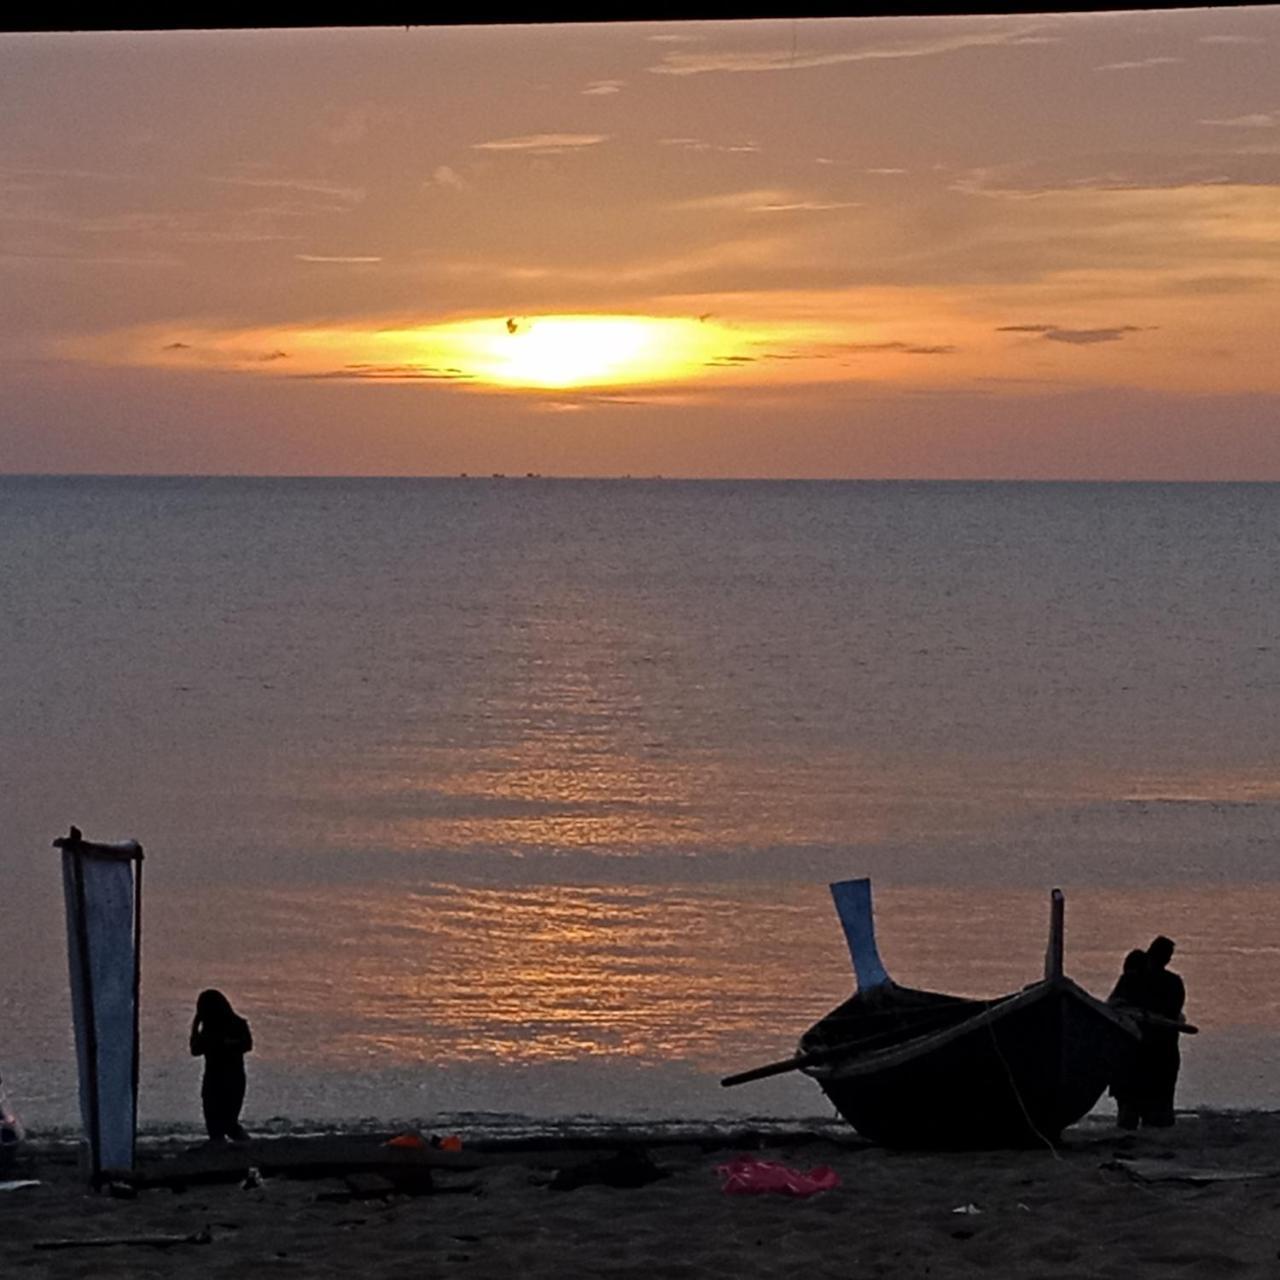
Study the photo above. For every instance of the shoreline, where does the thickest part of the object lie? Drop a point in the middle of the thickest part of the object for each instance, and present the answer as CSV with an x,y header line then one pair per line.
x,y
1201,1198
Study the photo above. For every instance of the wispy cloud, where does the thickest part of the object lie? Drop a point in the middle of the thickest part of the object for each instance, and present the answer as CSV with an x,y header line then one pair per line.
x,y
543,143
1073,337
350,259
1138,64
603,88
902,348
700,144
355,124
702,63
388,373
445,176
805,206
305,186
1233,39
1258,120
1122,172
20,173
254,226
765,200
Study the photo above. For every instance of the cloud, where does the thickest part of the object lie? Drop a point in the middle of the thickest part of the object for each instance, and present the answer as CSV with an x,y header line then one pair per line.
x,y
176,346
1137,65
58,174
699,63
347,259
246,226
543,143
806,206
698,144
762,200
1073,337
1259,120
269,356
445,176
1124,171
1233,40
902,348
306,186
355,125
388,373
603,88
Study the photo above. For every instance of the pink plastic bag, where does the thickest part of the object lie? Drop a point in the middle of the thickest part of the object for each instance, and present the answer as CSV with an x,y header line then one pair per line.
x,y
747,1176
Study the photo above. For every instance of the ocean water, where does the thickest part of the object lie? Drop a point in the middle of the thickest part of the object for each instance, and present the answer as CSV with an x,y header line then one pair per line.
x,y
515,800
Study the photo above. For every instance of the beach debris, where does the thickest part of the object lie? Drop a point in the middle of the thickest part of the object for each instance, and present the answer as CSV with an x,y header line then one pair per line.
x,y
122,1191
19,1184
407,1142
416,1142
107,1242
1164,1170
327,1156
252,1178
629,1167
746,1175
966,1209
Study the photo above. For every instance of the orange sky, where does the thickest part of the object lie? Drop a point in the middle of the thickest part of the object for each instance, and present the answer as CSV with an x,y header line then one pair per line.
x,y
1000,246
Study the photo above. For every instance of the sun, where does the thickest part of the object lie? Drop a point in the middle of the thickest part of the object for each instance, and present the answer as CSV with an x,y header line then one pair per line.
x,y
565,351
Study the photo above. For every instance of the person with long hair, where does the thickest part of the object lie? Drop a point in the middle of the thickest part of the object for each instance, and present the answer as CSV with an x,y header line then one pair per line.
x,y
223,1037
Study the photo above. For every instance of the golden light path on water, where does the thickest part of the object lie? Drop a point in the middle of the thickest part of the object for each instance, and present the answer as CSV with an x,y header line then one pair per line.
x,y
714,976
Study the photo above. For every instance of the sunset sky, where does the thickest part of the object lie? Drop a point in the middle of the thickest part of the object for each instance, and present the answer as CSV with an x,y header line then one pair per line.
x,y
986,247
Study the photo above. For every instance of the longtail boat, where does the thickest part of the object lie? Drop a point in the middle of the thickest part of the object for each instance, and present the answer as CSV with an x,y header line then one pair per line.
x,y
911,1068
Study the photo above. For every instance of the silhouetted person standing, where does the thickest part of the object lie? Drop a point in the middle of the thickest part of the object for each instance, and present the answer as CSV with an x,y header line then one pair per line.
x,y
223,1037
1165,996
1128,1083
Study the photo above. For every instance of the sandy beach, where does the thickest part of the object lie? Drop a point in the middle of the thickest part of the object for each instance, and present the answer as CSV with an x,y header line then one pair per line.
x,y
1200,1200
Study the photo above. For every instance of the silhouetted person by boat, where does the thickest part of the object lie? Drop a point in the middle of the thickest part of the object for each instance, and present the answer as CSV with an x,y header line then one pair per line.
x,y
1166,997
1144,1087
223,1037
1130,992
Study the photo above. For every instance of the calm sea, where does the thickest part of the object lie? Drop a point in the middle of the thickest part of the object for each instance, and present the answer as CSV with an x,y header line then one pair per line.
x,y
490,798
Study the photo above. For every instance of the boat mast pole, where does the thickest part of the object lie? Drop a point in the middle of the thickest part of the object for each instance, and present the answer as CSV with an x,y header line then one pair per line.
x,y
1053,964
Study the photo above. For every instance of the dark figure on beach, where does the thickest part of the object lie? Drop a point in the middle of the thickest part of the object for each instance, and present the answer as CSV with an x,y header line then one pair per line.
x,y
223,1037
1126,1086
1166,996
1143,1088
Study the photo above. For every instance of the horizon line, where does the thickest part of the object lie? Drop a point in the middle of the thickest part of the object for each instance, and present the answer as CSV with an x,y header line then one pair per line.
x,y
626,477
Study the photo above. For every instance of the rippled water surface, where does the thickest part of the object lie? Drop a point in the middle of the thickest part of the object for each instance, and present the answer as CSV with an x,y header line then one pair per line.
x,y
521,796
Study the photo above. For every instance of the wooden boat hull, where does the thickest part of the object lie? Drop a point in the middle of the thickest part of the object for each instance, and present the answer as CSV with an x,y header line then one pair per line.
x,y
1009,1072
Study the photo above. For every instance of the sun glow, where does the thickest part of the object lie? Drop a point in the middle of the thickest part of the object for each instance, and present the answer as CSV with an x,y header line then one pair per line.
x,y
559,352
543,352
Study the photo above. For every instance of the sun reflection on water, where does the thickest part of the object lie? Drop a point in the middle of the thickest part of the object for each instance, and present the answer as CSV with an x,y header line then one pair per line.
x,y
713,976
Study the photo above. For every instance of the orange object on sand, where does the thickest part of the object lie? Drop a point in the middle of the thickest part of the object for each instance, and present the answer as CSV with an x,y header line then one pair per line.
x,y
414,1141
451,1143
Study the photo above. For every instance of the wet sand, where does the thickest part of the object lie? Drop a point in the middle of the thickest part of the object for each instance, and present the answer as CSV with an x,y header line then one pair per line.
x,y
1100,1205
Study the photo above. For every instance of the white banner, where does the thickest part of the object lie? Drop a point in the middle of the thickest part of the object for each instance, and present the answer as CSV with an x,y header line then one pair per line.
x,y
102,884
